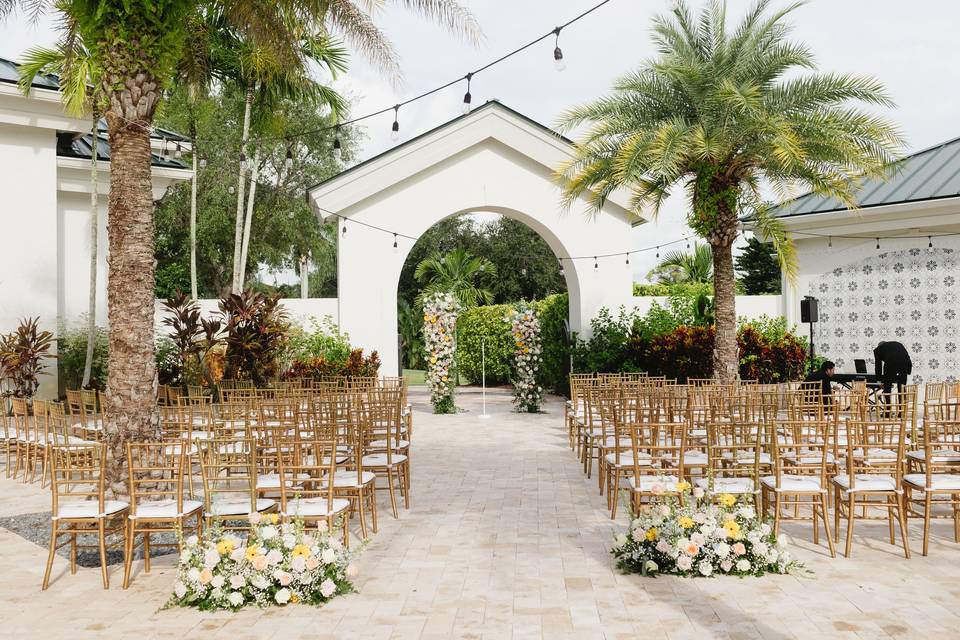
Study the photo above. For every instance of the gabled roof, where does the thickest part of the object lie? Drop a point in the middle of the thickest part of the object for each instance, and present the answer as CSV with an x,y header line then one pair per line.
x,y
547,147
931,174
70,145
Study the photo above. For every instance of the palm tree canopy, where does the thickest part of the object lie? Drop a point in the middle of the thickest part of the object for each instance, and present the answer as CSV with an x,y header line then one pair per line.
x,y
459,273
682,266
723,112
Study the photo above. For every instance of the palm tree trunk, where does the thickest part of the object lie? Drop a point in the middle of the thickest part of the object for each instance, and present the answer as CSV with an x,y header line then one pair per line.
x,y
304,277
241,182
726,357
132,385
254,174
94,233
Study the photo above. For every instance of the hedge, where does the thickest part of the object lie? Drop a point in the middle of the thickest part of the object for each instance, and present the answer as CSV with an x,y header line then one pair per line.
x,y
488,322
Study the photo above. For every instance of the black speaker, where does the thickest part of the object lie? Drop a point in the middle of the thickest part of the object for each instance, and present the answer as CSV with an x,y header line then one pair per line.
x,y
809,311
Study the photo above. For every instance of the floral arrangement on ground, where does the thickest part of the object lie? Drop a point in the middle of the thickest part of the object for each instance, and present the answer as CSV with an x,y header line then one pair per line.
x,y
277,564
439,333
695,533
525,327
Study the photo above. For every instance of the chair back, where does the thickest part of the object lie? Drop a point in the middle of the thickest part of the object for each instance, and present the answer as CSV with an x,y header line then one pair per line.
x,y
76,475
229,469
155,472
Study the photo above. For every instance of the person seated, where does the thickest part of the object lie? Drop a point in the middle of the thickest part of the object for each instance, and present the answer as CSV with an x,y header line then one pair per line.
x,y
823,376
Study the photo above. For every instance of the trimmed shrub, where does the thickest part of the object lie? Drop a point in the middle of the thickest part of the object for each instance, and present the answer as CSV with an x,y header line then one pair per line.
x,y
769,353
72,355
473,326
692,289
552,311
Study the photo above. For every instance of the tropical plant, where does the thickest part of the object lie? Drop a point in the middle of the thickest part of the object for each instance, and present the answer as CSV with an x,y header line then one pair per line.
x,y
23,355
71,357
323,339
355,364
683,267
410,325
723,112
459,273
193,336
759,268
255,326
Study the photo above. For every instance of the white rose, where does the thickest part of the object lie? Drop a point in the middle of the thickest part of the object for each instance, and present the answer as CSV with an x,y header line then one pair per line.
x,y
765,529
289,541
760,549
180,589
328,556
782,541
726,565
705,568
259,582
743,565
274,556
328,588
192,541
211,558
193,574
747,512
269,532
620,540
216,594
282,596
235,598
237,581
722,549
185,556
651,566
238,554
218,581
772,556
298,564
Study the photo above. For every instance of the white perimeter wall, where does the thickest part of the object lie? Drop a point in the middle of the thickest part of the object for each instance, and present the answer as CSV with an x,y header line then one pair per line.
x,y
749,307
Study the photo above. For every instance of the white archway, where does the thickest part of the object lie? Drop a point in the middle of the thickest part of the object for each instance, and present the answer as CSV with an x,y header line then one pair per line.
x,y
491,160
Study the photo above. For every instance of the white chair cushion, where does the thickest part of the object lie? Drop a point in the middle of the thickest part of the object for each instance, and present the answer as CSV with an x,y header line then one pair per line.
x,y
809,457
239,507
626,459
173,449
165,509
728,485
90,509
198,435
939,455
92,425
798,484
667,483
380,459
867,482
272,480
694,459
315,507
611,441
747,458
939,481
344,479
396,444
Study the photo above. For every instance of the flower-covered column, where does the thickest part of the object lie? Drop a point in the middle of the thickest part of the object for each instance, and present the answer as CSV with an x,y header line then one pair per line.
x,y
525,327
440,341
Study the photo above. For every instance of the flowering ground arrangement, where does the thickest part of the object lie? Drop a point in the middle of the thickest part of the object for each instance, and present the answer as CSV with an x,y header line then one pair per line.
x,y
699,534
440,342
277,564
527,356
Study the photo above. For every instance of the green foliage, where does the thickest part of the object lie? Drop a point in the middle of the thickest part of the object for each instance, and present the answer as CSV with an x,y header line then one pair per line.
x,y
552,311
22,358
685,266
353,365
256,336
459,273
679,288
72,354
759,268
681,354
410,326
168,362
606,349
322,339
769,352
193,337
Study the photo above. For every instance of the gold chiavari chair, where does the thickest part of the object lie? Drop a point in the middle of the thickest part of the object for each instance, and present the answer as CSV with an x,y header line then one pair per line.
x,y
277,430
379,420
84,408
799,474
933,471
156,479
657,454
80,506
229,470
305,490
872,476
26,438
734,467
612,406
573,408
8,438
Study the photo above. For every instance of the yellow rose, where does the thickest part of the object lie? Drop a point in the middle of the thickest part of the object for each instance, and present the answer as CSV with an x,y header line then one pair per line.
x,y
300,551
252,552
683,485
728,500
685,522
274,518
732,528
652,534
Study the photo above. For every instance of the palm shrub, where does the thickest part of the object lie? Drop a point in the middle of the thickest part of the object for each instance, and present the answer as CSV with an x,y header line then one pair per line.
x,y
459,273
678,267
722,112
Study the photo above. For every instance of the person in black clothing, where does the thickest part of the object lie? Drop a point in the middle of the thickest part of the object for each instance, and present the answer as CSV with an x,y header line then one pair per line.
x,y
893,365
823,376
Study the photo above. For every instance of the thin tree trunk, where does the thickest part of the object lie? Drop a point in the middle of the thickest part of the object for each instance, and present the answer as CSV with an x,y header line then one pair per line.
x,y
726,356
304,277
94,233
248,221
238,227
193,201
132,385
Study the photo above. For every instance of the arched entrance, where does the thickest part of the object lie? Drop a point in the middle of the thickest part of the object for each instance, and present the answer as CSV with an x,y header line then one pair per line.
x,y
491,160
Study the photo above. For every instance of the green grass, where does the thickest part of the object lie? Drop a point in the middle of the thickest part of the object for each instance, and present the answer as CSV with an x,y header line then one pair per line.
x,y
415,376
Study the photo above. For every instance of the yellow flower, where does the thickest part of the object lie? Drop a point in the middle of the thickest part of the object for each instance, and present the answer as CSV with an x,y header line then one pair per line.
x,y
274,518
652,534
433,360
728,499
300,551
294,598
225,546
252,552
685,522
683,485
732,528
444,378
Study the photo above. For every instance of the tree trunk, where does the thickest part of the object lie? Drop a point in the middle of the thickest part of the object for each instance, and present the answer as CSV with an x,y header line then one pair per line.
x,y
241,182
726,356
94,233
132,385
304,277
254,174
193,203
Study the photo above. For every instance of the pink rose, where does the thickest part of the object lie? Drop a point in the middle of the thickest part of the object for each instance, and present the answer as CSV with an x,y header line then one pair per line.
x,y
684,563
697,493
352,570
664,510
205,576
283,578
656,489
312,563
236,581
738,549
259,563
274,556
255,518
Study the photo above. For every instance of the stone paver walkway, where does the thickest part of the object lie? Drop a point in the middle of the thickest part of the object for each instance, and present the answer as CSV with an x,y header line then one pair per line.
x,y
505,539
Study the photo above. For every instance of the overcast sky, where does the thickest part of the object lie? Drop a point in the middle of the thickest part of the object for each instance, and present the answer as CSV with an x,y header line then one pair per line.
x,y
910,46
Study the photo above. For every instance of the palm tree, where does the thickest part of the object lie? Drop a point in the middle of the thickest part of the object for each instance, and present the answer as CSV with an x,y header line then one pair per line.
x,y
80,91
681,266
459,273
721,113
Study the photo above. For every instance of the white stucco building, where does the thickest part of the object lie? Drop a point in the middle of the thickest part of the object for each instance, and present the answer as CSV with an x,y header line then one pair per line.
x,y
45,209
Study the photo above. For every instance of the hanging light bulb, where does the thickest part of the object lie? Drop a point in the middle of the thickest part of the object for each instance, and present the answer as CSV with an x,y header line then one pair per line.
x,y
337,150
830,241
878,243
395,130
178,153
467,97
164,151
289,161
203,163
558,62
560,262
658,251
596,265
628,258
231,190
688,244
394,241
243,161
929,242
344,230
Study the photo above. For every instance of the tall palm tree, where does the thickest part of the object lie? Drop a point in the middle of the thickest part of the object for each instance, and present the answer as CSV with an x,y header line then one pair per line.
x,y
723,113
682,266
80,91
459,273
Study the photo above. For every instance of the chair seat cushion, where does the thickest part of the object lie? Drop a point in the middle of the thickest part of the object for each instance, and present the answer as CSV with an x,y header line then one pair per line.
x,y
626,459
91,425
395,444
809,457
647,483
90,509
611,441
315,507
938,481
380,460
165,509
198,435
939,455
348,479
694,459
746,457
792,483
177,448
272,480
867,482
238,507
728,485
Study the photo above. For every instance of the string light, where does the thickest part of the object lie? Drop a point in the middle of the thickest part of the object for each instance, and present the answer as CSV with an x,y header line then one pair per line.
x,y
558,62
289,161
929,242
878,243
344,232
688,243
560,262
337,151
395,131
596,265
178,153
394,241
658,251
467,97
830,241
628,258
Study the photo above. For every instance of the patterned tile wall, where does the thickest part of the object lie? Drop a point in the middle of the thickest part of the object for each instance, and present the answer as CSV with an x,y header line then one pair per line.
x,y
910,296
